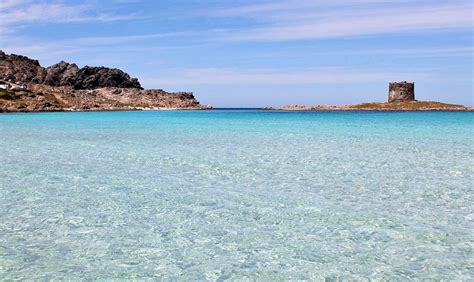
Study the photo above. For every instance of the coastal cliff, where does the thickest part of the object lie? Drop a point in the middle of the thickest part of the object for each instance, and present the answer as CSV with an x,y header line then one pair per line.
x,y
26,86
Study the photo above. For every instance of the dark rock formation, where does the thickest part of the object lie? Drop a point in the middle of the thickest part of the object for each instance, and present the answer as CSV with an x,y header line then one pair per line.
x,y
21,68
66,87
97,77
26,70
61,74
401,91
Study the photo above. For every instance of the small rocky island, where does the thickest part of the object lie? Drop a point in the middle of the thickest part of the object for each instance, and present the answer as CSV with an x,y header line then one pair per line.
x,y
26,86
401,97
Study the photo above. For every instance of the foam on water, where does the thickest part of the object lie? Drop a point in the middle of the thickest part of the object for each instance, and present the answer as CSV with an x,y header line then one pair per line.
x,y
236,194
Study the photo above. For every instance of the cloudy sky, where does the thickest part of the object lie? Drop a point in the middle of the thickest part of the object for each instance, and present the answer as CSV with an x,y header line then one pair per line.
x,y
244,53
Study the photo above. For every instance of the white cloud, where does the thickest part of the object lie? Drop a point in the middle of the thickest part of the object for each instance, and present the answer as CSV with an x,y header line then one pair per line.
x,y
399,52
418,52
24,12
294,5
289,20
54,49
11,3
229,76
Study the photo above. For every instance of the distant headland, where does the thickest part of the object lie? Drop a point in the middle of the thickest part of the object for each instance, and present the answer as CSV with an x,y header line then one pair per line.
x,y
401,97
26,86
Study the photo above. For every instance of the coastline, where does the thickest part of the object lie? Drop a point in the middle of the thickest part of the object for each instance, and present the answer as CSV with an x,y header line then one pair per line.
x,y
43,98
105,110
402,106
26,86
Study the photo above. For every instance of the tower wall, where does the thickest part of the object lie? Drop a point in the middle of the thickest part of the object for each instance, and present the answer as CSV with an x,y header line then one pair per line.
x,y
401,91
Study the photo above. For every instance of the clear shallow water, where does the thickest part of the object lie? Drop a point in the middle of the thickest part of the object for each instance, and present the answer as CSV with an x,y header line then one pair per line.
x,y
236,194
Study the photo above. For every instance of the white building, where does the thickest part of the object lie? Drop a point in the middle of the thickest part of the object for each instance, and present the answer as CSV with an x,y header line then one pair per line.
x,y
19,86
4,86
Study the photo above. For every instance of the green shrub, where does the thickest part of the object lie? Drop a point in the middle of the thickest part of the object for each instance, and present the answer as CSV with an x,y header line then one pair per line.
x,y
7,95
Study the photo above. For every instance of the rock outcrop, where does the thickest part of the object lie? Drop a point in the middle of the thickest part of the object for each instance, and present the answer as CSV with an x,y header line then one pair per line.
x,y
97,77
20,68
41,97
66,87
61,74
383,106
65,74
26,70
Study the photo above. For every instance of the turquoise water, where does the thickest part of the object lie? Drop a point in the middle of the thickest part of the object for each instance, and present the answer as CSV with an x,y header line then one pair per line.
x,y
215,195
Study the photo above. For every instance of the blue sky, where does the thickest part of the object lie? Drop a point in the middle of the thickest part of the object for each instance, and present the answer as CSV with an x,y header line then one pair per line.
x,y
244,53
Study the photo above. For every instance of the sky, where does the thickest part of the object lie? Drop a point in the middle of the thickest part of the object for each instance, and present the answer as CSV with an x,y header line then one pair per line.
x,y
244,53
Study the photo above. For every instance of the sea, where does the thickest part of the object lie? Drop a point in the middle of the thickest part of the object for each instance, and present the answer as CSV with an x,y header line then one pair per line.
x,y
237,195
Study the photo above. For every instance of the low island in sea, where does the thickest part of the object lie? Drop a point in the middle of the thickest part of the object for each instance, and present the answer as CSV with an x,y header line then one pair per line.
x,y
401,97
26,86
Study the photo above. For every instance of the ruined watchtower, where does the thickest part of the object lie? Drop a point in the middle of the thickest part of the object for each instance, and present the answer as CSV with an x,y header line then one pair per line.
x,y
401,91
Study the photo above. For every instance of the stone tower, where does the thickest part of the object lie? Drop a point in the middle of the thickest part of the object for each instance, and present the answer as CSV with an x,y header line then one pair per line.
x,y
401,91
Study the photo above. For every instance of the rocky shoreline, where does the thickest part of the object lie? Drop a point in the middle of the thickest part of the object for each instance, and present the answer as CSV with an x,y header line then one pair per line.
x,y
379,106
26,86
401,97
43,98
